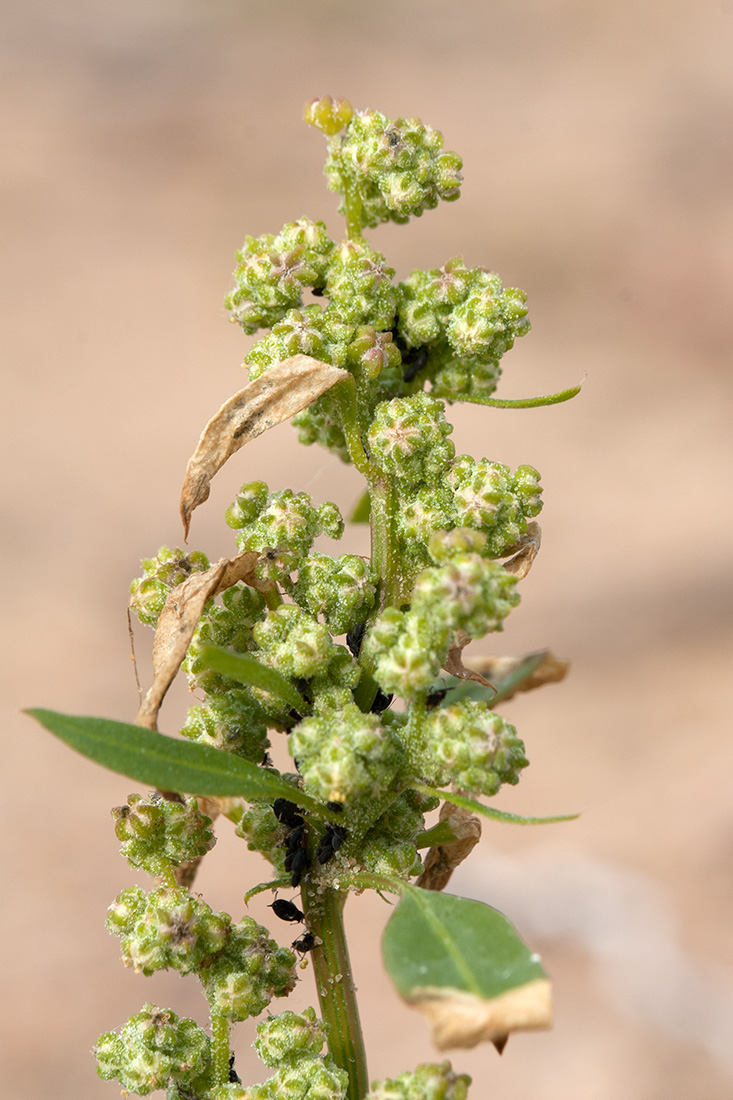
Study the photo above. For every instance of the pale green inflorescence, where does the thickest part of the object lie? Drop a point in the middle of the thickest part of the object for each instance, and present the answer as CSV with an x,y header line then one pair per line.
x,y
250,970
161,574
153,1048
431,1081
473,747
157,833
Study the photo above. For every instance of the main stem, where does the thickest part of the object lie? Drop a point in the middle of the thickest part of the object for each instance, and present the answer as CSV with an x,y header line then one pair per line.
x,y
324,908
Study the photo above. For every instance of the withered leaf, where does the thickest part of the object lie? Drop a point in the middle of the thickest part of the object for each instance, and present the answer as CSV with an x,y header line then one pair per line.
x,y
524,552
282,391
178,621
454,665
551,670
442,859
460,1019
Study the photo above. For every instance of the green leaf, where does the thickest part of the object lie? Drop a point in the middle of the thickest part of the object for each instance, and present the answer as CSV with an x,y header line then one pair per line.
x,y
246,670
488,811
274,884
440,833
362,509
169,764
524,402
505,685
464,966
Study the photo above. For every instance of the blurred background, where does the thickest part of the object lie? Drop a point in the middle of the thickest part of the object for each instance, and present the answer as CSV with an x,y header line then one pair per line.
x,y
142,140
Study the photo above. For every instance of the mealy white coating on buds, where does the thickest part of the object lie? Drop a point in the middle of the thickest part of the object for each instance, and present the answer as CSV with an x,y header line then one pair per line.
x,y
154,1047
407,439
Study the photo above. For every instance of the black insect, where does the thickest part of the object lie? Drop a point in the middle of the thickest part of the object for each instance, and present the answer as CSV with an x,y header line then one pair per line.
x,y
305,943
435,698
287,813
337,807
381,702
413,362
355,637
297,863
296,839
234,1077
286,910
330,842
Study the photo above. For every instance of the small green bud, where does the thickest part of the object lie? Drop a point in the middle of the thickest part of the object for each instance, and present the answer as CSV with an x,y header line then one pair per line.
x,y
157,833
371,352
359,285
343,590
428,1082
475,748
408,651
251,970
445,545
160,574
320,333
344,754
489,498
469,594
285,530
328,115
285,1039
232,721
154,1047
408,439
294,643
171,930
250,501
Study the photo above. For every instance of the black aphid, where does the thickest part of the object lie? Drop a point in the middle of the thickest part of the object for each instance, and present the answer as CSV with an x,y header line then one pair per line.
x,y
287,812
304,944
381,702
299,866
413,362
435,698
330,842
286,910
337,807
355,637
295,840
318,291
234,1077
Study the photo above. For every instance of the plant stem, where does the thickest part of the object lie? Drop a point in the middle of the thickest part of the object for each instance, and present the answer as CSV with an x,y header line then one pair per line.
x,y
385,558
219,1048
324,909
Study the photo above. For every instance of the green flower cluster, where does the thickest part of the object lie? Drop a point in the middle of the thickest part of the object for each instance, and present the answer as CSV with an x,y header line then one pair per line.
x,y
389,847
408,441
233,721
466,321
160,574
291,1043
395,168
273,271
157,833
472,747
468,593
431,1081
341,589
345,755
242,979
228,625
155,1047
489,498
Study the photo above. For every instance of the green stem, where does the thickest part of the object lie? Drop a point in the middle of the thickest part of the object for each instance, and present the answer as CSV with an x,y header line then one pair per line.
x,y
219,1048
353,209
334,981
385,556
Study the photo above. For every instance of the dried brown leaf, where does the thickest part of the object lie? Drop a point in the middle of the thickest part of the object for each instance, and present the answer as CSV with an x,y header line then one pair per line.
x,y
282,391
551,670
524,552
454,665
179,618
460,1019
442,859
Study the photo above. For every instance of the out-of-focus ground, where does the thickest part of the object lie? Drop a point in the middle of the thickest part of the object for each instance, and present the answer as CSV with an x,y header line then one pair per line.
x,y
141,141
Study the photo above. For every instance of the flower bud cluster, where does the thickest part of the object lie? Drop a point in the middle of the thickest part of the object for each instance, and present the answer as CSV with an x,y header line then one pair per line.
x,y
233,721
289,1037
166,929
228,625
154,1047
273,271
157,833
430,1081
359,286
467,593
320,333
160,574
310,1079
475,748
389,848
396,168
408,441
341,589
251,969
300,647
466,320
282,526
344,755
489,498
263,833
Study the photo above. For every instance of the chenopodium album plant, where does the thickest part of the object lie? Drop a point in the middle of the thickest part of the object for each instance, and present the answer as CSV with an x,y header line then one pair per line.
x,y
357,663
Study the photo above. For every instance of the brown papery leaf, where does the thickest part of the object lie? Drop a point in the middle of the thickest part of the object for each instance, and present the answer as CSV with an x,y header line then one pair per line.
x,y
454,665
524,552
551,670
442,859
179,618
282,391
459,1019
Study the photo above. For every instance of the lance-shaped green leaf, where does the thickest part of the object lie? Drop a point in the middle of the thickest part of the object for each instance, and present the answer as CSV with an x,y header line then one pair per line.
x,y
488,811
522,402
246,670
508,675
171,765
465,967
362,510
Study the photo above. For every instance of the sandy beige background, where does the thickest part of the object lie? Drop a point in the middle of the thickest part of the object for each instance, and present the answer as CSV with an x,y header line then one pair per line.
x,y
142,140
